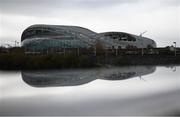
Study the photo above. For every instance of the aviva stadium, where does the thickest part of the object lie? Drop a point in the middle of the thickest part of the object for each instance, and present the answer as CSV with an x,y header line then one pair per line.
x,y
54,37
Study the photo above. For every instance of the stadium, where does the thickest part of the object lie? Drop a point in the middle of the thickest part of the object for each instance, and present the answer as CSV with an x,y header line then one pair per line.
x,y
42,37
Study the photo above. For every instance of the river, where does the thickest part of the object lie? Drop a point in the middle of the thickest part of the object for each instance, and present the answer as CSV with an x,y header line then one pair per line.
x,y
130,90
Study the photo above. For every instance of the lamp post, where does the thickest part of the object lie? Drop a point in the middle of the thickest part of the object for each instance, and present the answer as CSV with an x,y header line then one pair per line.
x,y
78,51
16,43
142,51
174,48
95,50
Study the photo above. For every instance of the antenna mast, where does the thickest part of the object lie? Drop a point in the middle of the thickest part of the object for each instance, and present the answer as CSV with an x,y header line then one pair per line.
x,y
142,33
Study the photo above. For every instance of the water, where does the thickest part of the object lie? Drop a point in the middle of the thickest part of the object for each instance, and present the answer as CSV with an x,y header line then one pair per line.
x,y
140,90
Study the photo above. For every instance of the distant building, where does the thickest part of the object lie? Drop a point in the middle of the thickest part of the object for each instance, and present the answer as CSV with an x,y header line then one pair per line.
x,y
37,38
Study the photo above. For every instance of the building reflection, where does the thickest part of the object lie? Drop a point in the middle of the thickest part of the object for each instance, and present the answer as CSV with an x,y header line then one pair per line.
x,y
51,78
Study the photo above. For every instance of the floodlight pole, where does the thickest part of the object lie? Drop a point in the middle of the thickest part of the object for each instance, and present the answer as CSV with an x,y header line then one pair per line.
x,y
174,48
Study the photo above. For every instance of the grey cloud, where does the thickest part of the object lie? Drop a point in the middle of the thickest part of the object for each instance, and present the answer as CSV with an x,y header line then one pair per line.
x,y
33,7
44,7
103,3
171,2
102,15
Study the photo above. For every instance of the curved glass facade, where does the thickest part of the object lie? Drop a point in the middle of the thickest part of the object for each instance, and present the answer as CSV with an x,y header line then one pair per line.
x,y
45,37
41,37
119,36
125,40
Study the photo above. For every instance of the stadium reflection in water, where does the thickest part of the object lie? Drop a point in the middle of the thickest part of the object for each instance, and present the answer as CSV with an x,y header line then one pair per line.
x,y
110,91
51,78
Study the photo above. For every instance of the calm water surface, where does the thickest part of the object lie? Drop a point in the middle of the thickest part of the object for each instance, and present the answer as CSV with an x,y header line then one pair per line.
x,y
140,90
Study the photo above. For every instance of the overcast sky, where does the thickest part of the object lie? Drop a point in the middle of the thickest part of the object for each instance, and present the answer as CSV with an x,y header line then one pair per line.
x,y
159,17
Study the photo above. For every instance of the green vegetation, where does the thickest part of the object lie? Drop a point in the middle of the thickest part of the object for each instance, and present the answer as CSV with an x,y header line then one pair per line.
x,y
148,60
60,61
16,59
51,61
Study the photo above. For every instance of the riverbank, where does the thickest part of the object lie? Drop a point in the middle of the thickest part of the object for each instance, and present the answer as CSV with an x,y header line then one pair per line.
x,y
20,61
